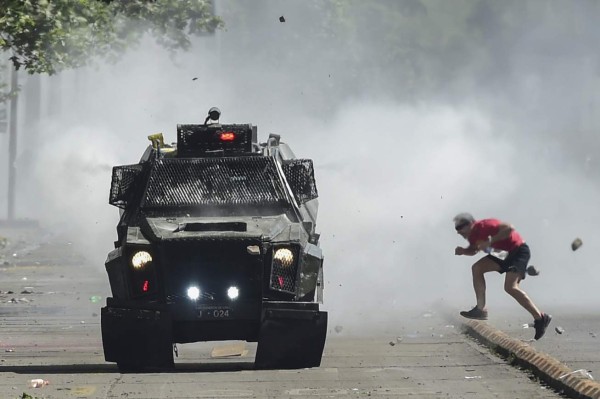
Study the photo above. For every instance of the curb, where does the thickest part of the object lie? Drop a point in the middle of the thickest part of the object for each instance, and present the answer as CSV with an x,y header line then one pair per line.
x,y
541,364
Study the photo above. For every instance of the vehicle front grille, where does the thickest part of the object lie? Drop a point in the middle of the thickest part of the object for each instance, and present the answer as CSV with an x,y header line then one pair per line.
x,y
213,267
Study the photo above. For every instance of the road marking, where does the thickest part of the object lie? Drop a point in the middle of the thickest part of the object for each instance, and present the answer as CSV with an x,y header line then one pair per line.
x,y
83,391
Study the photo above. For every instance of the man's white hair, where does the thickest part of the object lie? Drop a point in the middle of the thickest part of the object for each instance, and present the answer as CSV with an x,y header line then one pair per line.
x,y
462,218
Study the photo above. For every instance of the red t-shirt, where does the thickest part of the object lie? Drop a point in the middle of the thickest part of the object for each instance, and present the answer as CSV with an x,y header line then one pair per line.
x,y
482,229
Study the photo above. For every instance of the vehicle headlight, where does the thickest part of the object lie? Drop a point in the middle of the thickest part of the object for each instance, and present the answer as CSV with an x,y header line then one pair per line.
x,y
140,259
233,292
284,256
193,293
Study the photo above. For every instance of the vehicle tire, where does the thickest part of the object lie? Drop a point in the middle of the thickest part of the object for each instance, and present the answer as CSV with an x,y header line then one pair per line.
x,y
291,343
137,339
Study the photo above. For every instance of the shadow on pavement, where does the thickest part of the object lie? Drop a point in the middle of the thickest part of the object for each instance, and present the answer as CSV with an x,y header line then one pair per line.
x,y
112,368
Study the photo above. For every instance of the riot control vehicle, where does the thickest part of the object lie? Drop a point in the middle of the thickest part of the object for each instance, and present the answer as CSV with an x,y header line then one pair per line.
x,y
216,241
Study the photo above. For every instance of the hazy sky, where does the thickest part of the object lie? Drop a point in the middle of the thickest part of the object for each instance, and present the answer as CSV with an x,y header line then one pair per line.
x,y
391,173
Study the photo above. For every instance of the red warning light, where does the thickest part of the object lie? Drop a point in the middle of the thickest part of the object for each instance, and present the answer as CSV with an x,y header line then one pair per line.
x,y
281,281
227,136
145,286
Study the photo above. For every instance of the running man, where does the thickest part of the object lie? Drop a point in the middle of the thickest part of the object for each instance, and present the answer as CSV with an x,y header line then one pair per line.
x,y
487,234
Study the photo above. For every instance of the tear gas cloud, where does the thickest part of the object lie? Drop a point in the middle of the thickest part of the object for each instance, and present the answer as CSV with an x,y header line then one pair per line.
x,y
392,170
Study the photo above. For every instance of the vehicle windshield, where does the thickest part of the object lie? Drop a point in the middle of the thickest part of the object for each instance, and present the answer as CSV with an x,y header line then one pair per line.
x,y
241,185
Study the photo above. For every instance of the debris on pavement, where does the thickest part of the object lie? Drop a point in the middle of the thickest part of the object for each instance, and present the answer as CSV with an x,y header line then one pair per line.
x,y
21,300
338,329
95,298
576,244
229,350
282,19
38,383
583,373
559,330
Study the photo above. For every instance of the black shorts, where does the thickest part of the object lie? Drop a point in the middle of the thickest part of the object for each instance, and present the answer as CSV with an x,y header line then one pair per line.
x,y
516,260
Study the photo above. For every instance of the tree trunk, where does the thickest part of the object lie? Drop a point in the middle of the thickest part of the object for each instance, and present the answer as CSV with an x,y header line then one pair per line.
x,y
12,147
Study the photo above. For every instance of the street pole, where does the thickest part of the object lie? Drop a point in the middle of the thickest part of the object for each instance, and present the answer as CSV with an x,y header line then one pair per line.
x,y
12,146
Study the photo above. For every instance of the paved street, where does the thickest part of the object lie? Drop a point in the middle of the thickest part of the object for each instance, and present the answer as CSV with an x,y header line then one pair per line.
x,y
50,329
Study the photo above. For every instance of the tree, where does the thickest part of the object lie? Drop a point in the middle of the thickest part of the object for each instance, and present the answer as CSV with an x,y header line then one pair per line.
x,y
48,36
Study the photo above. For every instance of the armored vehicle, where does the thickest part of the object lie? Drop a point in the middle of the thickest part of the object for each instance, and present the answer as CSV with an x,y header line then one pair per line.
x,y
216,241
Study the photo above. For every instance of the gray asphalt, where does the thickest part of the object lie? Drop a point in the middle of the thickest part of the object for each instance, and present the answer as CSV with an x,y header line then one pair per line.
x,y
50,329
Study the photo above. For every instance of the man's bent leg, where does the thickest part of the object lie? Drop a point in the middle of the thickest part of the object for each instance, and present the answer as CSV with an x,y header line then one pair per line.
x,y
511,286
482,266
540,320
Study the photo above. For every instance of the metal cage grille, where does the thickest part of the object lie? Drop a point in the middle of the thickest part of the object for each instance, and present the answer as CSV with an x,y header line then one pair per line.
x,y
301,177
123,179
187,182
283,277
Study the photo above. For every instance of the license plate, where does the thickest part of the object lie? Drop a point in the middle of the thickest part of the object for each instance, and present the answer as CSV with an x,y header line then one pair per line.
x,y
214,313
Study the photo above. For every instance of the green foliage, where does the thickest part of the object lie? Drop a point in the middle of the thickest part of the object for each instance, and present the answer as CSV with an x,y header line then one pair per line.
x,y
48,36
5,95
